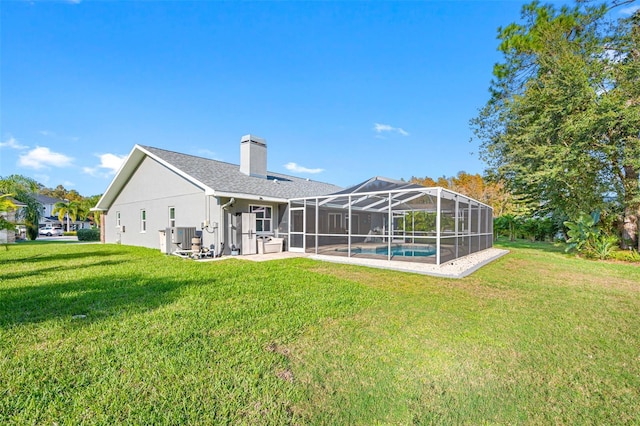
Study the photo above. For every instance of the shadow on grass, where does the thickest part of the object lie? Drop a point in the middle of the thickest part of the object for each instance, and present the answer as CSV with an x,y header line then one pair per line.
x,y
42,271
97,298
61,257
48,242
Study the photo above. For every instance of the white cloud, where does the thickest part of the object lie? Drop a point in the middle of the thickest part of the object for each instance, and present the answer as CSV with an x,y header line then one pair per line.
x,y
382,128
92,171
109,165
293,167
203,152
12,143
41,157
628,11
112,162
379,128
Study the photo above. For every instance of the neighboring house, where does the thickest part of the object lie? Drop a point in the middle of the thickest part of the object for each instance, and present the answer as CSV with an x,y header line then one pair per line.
x,y
156,189
48,218
9,236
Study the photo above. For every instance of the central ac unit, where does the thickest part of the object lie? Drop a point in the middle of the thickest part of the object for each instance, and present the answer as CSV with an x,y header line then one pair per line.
x,y
181,237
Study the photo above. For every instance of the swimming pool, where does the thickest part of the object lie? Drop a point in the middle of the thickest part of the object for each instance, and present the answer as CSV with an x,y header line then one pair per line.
x,y
404,250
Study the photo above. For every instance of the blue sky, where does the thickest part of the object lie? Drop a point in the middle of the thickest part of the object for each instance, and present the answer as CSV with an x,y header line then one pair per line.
x,y
341,91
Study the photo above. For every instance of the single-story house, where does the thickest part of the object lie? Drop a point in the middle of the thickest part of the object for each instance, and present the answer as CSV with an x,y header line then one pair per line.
x,y
171,201
160,198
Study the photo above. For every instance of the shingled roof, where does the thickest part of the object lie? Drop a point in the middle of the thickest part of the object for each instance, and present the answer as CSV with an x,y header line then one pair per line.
x,y
227,177
217,178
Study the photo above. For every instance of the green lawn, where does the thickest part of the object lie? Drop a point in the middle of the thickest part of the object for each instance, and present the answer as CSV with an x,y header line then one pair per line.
x,y
535,337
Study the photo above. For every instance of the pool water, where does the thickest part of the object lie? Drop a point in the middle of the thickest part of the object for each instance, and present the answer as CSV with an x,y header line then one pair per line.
x,y
396,250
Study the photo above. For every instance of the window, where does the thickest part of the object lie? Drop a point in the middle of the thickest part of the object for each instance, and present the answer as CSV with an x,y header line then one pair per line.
x,y
263,217
118,219
172,217
143,221
335,222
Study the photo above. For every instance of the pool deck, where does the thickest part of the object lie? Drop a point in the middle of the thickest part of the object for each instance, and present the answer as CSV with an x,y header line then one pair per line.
x,y
457,268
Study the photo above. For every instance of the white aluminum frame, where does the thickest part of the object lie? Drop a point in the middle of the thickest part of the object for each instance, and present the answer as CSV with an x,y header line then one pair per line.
x,y
353,205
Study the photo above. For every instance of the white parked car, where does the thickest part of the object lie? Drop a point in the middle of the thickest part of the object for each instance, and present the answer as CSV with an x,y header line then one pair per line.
x,y
49,231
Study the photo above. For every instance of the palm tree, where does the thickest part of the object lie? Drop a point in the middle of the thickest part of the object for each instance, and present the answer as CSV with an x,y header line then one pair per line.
x,y
85,213
70,209
506,222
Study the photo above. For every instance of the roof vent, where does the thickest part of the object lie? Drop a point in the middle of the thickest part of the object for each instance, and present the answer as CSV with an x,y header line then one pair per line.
x,y
253,156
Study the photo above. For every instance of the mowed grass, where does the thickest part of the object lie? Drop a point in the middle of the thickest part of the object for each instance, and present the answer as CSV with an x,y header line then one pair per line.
x,y
106,334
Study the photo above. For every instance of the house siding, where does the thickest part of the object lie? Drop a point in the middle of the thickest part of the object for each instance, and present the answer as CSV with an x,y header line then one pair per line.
x,y
154,188
154,180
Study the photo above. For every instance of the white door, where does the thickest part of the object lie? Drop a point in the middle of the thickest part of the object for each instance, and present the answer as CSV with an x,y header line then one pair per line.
x,y
249,233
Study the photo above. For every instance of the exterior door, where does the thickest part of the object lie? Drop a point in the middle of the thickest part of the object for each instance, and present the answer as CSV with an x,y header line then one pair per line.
x,y
249,245
296,229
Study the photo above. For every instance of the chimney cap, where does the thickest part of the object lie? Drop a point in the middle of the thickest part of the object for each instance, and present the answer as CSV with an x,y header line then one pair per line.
x,y
253,138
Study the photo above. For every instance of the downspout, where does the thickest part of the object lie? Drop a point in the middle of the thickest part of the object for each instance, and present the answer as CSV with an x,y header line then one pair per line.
x,y
223,218
225,205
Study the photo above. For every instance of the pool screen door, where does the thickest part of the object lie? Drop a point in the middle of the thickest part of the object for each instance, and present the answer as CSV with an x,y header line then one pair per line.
x,y
296,236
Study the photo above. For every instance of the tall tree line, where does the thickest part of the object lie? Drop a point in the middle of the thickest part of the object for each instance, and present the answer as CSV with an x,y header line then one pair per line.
x,y
562,126
475,186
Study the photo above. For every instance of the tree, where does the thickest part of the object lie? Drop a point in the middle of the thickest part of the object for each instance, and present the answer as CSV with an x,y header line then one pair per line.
x,y
87,204
61,193
490,192
24,190
70,209
6,206
561,126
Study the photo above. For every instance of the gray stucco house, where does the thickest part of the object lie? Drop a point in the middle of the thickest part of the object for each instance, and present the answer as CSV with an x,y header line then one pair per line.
x,y
156,189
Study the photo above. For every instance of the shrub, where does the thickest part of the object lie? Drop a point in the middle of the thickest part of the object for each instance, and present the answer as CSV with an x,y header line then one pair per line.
x,y
586,237
602,246
626,256
88,235
582,231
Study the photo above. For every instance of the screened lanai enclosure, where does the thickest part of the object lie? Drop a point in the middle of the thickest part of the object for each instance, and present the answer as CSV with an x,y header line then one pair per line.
x,y
391,220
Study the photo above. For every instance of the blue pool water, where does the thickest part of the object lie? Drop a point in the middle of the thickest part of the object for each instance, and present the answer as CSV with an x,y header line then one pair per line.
x,y
396,250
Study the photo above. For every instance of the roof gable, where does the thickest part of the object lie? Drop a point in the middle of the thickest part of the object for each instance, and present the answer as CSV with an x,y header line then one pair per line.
x,y
45,199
